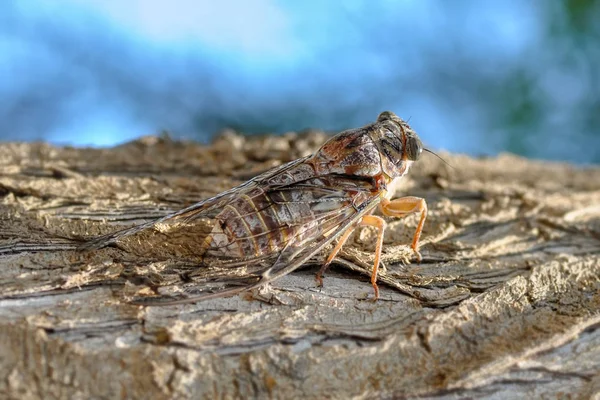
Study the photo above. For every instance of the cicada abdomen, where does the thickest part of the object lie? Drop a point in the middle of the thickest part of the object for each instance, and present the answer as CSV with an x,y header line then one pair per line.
x,y
284,212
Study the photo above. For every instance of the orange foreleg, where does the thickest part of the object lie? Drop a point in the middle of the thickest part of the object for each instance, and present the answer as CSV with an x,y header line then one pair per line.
x,y
402,207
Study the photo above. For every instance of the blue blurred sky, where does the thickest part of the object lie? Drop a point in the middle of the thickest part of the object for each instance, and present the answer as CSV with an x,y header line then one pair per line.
x,y
473,76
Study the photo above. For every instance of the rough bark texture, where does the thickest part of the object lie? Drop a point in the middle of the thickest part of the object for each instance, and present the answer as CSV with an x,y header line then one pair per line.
x,y
505,303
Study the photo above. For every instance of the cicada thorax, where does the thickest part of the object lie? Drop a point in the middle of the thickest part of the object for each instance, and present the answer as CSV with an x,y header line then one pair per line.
x,y
351,152
378,149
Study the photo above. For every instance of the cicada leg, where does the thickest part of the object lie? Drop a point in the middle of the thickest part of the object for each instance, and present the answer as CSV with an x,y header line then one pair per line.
x,y
367,220
402,207
332,255
379,223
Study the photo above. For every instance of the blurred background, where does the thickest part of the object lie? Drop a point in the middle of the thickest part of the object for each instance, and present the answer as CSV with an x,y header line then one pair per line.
x,y
477,77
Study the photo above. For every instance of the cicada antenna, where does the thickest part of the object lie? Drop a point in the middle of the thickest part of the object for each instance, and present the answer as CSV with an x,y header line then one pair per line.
x,y
438,156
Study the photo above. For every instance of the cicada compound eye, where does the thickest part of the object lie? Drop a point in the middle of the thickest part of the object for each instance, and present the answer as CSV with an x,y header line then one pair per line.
x,y
414,147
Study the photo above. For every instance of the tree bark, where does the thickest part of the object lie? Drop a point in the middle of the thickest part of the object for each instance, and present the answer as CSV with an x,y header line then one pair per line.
x,y
505,303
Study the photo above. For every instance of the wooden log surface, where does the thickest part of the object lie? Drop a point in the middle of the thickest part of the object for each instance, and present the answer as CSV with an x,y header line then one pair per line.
x,y
505,303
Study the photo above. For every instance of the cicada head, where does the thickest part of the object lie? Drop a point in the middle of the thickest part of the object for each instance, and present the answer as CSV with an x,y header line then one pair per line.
x,y
397,143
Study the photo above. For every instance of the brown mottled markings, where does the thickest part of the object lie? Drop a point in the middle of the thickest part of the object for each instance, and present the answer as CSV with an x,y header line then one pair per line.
x,y
262,222
357,141
404,139
286,229
261,215
235,234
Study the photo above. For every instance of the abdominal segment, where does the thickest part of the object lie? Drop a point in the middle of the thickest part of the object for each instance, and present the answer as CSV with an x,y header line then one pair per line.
x,y
259,222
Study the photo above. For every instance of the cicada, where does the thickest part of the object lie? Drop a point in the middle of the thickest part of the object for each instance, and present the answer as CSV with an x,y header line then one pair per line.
x,y
269,226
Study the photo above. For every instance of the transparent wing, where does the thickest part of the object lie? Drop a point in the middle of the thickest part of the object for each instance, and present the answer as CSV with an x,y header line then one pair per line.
x,y
205,208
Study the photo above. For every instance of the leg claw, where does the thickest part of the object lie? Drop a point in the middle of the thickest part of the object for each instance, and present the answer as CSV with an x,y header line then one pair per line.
x,y
319,279
417,255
